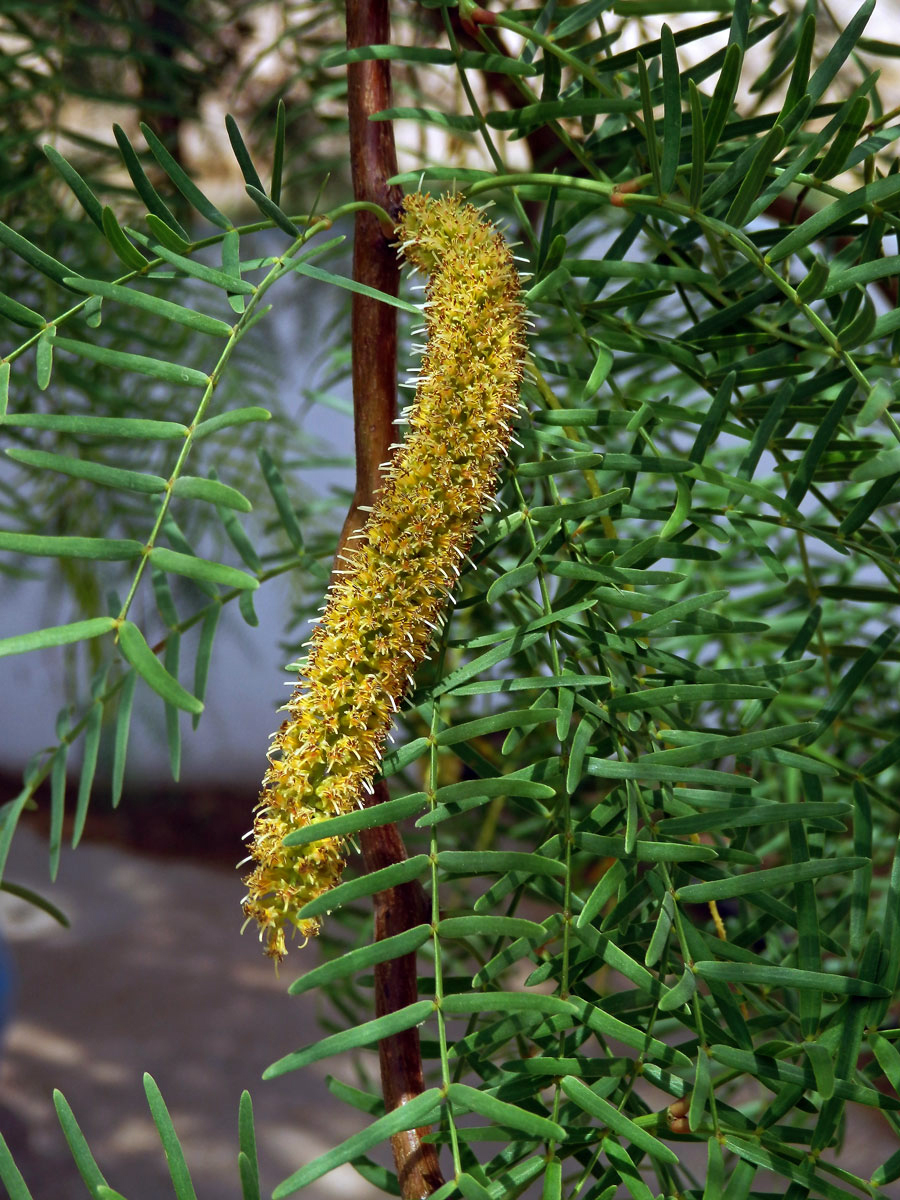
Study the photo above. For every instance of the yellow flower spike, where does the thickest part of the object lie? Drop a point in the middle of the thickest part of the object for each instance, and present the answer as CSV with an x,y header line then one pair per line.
x,y
383,608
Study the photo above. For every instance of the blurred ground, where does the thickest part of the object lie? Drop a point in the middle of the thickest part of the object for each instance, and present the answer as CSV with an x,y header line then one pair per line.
x,y
154,975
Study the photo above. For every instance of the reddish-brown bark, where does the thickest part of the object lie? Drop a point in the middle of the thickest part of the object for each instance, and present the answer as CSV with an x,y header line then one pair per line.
x,y
373,161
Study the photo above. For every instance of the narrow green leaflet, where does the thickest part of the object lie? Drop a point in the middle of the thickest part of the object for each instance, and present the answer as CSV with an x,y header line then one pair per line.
x,y
884,192
362,818
357,960
192,487
139,428
367,885
89,756
617,1121
367,1034
248,1162
496,862
275,484
351,285
123,248
105,549
79,187
28,252
674,612
411,1115
486,926
231,420
121,735
469,1099
202,569
82,468
135,649
756,975
803,1076
764,881
56,635
716,745
242,154
21,314
84,1160
157,368
165,309
145,189
200,271
181,1178
517,719
183,181
751,185
36,900
11,1176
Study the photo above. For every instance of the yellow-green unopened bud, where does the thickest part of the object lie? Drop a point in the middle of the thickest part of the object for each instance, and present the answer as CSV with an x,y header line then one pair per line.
x,y
383,606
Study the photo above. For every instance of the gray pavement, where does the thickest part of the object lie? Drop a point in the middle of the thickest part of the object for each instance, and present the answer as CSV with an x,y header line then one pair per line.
x,y
153,975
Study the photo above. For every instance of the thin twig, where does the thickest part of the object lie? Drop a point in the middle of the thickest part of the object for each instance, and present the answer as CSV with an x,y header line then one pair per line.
x,y
373,161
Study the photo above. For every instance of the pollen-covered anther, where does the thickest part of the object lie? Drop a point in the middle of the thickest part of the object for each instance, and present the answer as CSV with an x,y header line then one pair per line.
x,y
385,602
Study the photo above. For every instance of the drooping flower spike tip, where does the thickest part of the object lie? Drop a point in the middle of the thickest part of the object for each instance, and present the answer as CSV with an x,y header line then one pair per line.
x,y
384,603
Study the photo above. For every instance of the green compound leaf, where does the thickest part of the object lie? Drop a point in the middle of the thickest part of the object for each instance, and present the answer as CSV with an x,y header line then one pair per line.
x,y
135,649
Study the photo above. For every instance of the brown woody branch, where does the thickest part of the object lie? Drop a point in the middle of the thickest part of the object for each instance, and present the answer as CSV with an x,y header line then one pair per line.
x,y
373,161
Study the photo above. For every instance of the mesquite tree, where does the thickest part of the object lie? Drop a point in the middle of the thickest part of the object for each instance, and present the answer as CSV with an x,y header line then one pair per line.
x,y
645,890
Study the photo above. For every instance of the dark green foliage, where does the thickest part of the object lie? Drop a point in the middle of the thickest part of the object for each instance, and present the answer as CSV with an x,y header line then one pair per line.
x,y
650,775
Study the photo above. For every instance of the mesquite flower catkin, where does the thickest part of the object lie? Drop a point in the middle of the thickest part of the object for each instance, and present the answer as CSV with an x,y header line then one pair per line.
x,y
392,585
